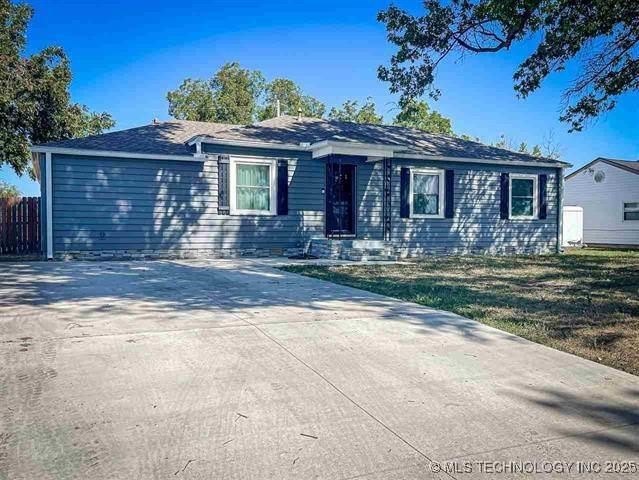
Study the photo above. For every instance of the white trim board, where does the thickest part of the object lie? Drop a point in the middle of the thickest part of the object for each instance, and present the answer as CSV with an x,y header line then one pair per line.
x,y
246,143
535,198
272,164
518,163
116,154
321,149
440,194
49,186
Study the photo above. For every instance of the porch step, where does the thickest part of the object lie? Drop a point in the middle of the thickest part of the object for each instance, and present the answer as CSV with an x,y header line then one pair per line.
x,y
371,258
353,249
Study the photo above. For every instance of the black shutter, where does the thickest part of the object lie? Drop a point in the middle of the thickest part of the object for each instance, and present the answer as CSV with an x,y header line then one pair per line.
x,y
449,204
505,195
282,187
223,205
543,196
404,210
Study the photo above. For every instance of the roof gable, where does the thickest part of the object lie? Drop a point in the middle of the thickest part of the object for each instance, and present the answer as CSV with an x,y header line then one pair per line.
x,y
631,166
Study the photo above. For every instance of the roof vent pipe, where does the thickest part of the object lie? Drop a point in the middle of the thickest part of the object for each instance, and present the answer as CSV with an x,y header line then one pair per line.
x,y
277,107
299,113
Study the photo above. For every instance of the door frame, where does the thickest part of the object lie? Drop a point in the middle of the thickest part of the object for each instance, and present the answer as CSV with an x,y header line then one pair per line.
x,y
328,234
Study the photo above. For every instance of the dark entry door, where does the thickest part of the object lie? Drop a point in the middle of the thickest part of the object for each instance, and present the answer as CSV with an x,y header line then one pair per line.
x,y
340,200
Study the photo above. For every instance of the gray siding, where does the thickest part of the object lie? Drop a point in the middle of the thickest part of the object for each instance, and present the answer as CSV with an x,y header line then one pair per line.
x,y
370,182
132,204
476,225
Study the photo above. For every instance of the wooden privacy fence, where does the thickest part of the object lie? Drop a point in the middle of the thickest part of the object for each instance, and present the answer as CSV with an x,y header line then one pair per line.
x,y
20,226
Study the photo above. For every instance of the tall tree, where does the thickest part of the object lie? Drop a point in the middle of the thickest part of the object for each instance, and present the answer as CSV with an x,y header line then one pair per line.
x,y
350,111
470,138
83,122
602,34
230,96
236,92
8,192
35,104
417,114
193,100
549,148
292,100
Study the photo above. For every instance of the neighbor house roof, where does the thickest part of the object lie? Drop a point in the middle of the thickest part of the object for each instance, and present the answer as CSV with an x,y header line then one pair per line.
x,y
163,138
171,138
628,165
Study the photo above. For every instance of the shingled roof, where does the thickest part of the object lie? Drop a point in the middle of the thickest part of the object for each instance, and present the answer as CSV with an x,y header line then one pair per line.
x,y
162,138
171,137
288,129
630,165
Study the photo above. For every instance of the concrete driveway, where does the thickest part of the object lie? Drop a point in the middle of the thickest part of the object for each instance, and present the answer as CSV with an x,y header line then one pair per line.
x,y
235,370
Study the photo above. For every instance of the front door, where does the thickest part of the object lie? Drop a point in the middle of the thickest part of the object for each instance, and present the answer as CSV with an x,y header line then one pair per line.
x,y
340,200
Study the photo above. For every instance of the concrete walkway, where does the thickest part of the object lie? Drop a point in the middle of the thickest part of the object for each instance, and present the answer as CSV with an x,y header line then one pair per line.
x,y
236,370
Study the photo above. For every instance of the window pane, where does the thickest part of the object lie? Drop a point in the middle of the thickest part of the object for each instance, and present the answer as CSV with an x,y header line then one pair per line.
x,y
428,184
253,187
425,204
631,215
522,187
631,206
522,207
250,198
253,175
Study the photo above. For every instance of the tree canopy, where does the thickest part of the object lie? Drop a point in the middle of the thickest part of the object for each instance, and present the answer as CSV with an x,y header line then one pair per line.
x,y
350,111
417,114
549,148
8,192
603,35
292,100
192,100
35,103
230,96
235,93
239,96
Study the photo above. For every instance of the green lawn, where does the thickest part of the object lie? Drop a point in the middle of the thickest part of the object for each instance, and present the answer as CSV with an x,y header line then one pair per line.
x,y
585,302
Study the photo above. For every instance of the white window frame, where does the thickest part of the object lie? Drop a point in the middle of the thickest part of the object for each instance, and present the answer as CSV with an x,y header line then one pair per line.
x,y
272,163
623,210
521,176
428,171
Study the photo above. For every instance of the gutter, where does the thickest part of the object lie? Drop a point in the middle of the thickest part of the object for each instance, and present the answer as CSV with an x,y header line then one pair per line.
x,y
495,161
111,153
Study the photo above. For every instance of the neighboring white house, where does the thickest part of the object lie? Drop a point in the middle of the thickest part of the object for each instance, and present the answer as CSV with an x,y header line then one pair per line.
x,y
608,192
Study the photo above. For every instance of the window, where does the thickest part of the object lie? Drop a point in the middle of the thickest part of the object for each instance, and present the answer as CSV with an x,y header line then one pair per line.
x,y
427,193
523,196
253,186
630,211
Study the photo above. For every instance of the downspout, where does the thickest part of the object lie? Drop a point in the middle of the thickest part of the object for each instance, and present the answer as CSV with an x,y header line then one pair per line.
x,y
560,208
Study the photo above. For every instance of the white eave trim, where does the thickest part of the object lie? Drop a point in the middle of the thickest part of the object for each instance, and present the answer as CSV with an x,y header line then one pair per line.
x,y
324,148
116,154
49,204
523,163
246,143
320,149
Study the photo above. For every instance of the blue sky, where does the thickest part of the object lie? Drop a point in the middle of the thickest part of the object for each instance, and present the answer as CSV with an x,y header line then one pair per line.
x,y
126,55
